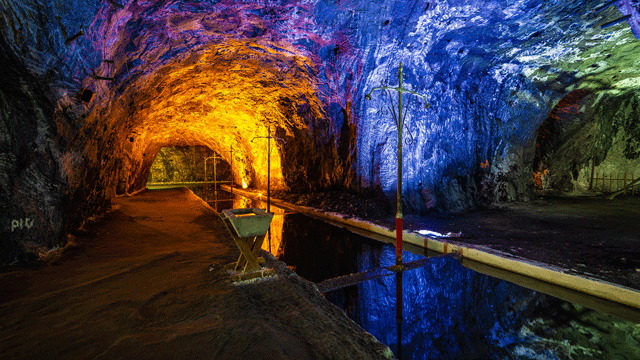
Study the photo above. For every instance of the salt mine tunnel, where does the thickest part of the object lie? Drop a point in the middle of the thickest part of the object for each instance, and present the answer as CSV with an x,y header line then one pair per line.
x,y
92,91
525,97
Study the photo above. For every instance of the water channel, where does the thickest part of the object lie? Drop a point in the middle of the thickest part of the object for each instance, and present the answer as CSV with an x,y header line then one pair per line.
x,y
449,311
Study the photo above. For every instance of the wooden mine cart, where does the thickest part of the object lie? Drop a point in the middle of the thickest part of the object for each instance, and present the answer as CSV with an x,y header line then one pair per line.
x,y
248,228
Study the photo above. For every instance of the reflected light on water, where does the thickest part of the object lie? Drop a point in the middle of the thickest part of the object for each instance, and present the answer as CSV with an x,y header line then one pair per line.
x,y
273,241
447,310
273,245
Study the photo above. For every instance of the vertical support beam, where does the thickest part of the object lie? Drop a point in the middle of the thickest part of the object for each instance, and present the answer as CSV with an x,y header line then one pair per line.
x,y
399,200
215,158
231,154
400,123
593,165
269,177
269,137
618,182
610,182
269,181
215,176
205,177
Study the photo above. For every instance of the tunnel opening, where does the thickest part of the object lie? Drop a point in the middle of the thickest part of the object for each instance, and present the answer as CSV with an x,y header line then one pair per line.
x,y
554,141
196,167
181,164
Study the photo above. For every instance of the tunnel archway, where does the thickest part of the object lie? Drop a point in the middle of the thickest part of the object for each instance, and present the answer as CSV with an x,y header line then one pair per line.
x,y
221,99
555,140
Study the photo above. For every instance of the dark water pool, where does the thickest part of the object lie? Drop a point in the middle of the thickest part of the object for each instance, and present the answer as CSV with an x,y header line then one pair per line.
x,y
448,310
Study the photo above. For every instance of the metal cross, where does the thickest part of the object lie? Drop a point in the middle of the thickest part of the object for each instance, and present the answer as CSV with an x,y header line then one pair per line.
x,y
268,164
269,137
216,157
399,119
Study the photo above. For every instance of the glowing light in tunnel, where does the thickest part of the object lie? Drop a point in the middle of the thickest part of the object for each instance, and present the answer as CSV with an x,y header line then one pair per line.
x,y
539,178
200,101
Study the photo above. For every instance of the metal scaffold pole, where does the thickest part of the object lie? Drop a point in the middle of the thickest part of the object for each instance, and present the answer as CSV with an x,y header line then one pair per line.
x,y
216,157
399,119
269,137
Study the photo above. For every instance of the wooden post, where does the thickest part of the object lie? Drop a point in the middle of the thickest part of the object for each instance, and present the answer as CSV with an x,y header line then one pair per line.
x,y
596,186
632,184
593,165
231,152
618,182
215,177
206,198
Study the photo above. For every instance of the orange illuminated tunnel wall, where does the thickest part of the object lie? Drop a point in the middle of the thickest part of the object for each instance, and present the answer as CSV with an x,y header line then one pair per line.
x,y
220,98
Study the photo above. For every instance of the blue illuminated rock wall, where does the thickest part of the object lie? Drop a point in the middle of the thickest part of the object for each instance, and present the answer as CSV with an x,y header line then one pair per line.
x,y
484,110
492,72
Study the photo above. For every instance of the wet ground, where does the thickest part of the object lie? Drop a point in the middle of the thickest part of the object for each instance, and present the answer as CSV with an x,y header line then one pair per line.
x,y
590,236
146,282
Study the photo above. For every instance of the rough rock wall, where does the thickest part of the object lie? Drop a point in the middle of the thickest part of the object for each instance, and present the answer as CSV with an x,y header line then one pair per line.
x,y
32,184
601,136
163,73
216,74
492,73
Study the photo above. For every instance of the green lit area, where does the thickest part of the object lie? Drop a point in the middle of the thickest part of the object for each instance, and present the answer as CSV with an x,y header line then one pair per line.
x,y
176,166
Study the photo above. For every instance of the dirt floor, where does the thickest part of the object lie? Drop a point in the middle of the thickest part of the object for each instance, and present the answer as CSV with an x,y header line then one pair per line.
x,y
147,282
588,235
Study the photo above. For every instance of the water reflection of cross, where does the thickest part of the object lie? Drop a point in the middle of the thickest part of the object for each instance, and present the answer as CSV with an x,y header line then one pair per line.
x,y
216,157
399,119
